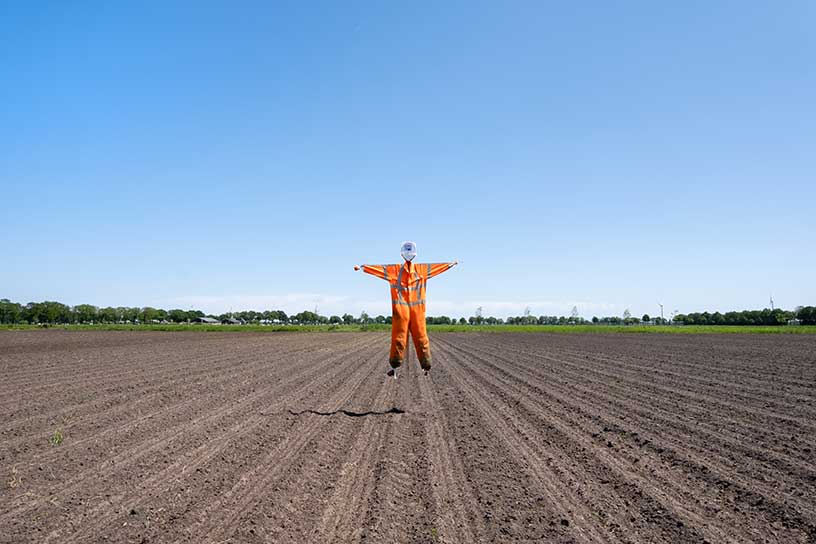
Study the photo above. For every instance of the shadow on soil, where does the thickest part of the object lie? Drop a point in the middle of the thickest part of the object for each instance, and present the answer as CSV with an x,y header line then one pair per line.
x,y
348,413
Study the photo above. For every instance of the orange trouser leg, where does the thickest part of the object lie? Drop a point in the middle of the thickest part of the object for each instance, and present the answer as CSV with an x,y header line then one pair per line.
x,y
420,336
399,337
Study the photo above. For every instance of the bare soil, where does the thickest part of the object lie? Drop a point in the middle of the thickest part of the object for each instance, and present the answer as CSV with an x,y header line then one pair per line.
x,y
229,437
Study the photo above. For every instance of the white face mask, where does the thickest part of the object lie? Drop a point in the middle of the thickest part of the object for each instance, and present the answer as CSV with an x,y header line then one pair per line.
x,y
408,251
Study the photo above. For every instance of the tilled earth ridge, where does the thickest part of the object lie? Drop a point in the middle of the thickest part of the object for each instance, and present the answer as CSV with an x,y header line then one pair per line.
x,y
232,437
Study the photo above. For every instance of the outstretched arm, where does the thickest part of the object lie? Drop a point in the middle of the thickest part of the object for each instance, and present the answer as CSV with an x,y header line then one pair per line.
x,y
379,270
434,269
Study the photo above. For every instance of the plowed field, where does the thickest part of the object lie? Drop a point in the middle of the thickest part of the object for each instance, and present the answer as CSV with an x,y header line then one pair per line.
x,y
230,437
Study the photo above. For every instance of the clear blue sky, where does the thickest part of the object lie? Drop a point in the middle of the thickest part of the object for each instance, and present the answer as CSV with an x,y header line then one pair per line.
x,y
247,155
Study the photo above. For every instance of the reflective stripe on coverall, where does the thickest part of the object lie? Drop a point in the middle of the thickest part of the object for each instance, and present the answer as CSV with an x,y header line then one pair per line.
x,y
408,282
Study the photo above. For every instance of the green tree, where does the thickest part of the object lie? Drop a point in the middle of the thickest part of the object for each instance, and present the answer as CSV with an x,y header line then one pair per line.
x,y
307,318
177,316
10,312
56,312
86,313
131,315
253,316
148,314
807,315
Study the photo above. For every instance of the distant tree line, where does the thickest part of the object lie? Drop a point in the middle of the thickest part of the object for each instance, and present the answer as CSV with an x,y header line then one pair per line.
x,y
55,313
511,320
50,312
805,314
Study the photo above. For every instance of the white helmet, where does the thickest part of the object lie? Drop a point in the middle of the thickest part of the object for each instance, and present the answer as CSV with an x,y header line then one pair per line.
x,y
408,250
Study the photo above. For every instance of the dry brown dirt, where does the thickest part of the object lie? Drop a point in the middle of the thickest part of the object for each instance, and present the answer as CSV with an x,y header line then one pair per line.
x,y
209,437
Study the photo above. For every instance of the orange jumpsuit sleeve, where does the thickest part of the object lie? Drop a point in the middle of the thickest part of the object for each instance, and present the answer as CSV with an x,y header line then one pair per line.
x,y
434,269
379,270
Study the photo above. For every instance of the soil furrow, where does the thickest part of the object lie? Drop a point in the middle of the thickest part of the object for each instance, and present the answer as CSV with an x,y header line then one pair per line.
x,y
125,428
177,508
691,420
219,518
555,436
453,496
683,385
343,514
118,407
557,494
513,438
178,433
134,369
689,424
750,387
188,461
701,474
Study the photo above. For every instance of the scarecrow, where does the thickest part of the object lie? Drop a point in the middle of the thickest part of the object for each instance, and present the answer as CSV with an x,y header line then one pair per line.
x,y
408,283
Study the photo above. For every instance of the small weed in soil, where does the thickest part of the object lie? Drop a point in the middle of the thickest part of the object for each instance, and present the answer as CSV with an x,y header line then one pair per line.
x,y
56,438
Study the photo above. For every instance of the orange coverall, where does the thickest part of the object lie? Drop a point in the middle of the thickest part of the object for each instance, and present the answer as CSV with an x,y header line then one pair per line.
x,y
408,282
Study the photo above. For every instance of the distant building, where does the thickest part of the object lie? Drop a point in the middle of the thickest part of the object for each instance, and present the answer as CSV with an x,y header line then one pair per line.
x,y
232,321
794,321
207,320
